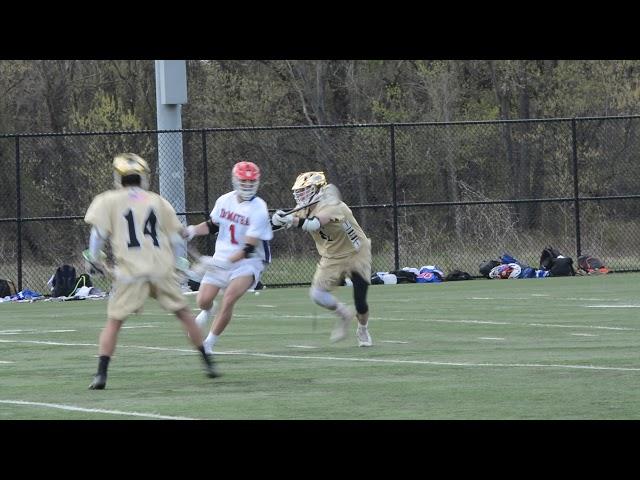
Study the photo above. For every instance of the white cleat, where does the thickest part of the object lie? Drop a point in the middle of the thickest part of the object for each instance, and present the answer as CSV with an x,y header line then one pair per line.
x,y
364,338
341,330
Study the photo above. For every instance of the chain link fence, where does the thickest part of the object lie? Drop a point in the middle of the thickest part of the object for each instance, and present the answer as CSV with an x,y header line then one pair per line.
x,y
450,194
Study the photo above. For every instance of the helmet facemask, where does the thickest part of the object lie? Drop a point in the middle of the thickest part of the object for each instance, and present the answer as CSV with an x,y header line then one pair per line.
x,y
307,187
305,195
246,189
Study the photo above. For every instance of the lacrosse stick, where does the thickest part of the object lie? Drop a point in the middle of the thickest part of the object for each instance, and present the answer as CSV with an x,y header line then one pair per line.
x,y
329,194
191,267
98,267
197,264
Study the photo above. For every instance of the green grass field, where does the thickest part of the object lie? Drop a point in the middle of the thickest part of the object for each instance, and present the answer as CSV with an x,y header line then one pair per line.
x,y
559,348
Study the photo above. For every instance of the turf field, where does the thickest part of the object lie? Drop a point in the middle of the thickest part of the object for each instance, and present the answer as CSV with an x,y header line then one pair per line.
x,y
558,348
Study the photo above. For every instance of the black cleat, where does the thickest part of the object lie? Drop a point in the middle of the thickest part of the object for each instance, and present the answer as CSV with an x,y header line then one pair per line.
x,y
210,368
99,382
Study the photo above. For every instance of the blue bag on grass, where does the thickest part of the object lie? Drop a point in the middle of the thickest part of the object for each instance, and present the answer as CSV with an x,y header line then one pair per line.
x,y
429,274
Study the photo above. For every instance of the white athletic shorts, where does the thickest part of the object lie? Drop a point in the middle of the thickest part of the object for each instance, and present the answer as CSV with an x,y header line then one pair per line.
x,y
247,266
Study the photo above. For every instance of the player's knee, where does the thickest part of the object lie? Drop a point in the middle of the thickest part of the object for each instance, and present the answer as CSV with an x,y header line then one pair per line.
x,y
360,287
204,303
322,298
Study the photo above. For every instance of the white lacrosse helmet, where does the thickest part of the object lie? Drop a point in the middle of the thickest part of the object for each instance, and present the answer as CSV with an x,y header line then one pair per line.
x,y
245,178
307,186
127,164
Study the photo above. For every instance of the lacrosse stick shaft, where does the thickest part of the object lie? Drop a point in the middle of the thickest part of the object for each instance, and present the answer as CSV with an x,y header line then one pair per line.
x,y
194,253
302,207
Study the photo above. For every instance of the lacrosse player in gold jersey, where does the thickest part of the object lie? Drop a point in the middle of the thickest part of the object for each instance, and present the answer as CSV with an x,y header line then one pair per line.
x,y
345,251
146,239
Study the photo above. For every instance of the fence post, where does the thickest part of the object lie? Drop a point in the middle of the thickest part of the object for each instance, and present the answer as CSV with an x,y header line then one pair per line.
x,y
396,235
205,171
18,215
205,186
576,192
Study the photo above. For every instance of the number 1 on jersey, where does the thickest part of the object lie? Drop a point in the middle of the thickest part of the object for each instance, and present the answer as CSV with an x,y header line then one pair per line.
x,y
232,228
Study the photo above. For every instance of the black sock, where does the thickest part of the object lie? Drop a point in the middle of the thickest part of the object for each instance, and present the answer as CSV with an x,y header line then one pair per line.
x,y
103,364
206,357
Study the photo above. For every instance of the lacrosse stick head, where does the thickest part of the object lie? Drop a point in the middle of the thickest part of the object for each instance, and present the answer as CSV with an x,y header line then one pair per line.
x,y
196,265
96,266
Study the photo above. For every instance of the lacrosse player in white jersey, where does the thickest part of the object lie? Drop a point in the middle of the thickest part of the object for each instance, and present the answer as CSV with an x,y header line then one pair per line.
x,y
146,237
345,251
241,220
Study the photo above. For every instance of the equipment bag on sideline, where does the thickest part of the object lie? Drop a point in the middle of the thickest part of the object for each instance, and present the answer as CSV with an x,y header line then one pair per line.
x,y
7,288
547,257
555,263
562,267
83,280
591,265
64,281
457,275
487,266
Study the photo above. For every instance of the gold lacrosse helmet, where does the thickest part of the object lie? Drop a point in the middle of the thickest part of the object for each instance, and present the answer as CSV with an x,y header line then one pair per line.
x,y
126,164
307,186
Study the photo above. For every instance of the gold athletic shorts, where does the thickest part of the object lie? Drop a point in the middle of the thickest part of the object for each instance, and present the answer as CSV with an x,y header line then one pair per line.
x,y
331,271
128,297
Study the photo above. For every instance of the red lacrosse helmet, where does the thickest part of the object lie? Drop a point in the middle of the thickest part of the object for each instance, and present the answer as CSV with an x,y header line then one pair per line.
x,y
245,178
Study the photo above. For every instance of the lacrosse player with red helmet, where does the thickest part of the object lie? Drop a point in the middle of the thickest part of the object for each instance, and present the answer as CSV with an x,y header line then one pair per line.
x,y
345,250
146,237
241,220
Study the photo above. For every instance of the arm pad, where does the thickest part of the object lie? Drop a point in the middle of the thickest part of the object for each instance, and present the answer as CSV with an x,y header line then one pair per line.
x,y
213,228
96,242
248,250
179,245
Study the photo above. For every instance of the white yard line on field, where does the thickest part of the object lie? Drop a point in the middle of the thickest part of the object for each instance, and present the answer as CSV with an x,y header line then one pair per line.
x,y
498,298
591,299
482,322
30,332
490,338
74,408
43,342
580,326
584,335
352,359
611,306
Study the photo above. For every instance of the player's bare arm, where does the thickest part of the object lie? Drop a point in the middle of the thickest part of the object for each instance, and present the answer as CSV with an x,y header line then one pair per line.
x,y
204,228
249,248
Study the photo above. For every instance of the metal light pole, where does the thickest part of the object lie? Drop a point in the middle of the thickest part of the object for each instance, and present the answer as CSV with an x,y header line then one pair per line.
x,y
171,94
